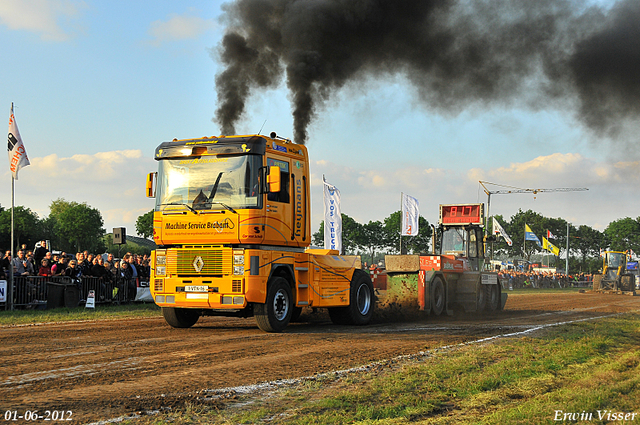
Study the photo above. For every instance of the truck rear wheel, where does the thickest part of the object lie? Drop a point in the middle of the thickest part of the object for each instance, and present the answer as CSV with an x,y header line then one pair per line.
x,y
437,296
481,298
626,282
180,317
361,302
492,293
275,314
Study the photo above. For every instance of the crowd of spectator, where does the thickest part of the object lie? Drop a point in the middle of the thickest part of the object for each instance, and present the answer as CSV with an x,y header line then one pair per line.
x,y
542,279
128,271
41,262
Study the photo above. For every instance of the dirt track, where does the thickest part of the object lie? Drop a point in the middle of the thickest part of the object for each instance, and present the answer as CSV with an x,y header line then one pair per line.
x,y
105,369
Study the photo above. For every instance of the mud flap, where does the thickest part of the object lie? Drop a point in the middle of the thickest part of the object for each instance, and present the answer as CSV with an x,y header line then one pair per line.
x,y
424,291
503,300
425,279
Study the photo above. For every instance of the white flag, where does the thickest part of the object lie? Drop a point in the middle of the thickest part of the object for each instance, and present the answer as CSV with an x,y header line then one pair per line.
x,y
17,153
410,215
332,217
497,229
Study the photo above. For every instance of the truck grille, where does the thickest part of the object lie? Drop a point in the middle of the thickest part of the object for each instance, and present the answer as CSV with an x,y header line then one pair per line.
x,y
200,262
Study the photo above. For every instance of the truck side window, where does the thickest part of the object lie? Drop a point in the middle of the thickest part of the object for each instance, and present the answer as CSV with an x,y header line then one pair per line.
x,y
283,195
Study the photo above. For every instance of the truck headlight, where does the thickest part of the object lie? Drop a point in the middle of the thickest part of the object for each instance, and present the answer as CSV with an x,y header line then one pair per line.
x,y
160,270
238,269
238,259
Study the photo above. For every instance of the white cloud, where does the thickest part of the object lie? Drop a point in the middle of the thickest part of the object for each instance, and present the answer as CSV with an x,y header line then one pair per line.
x,y
373,194
40,16
179,27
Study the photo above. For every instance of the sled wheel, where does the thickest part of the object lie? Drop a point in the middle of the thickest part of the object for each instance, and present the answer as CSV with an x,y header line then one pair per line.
x,y
361,302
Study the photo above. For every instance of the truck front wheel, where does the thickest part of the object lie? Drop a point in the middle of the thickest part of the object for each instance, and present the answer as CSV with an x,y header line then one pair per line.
x,y
180,317
274,315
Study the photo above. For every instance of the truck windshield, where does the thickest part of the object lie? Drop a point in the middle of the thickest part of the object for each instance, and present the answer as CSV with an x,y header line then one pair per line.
x,y
209,183
454,242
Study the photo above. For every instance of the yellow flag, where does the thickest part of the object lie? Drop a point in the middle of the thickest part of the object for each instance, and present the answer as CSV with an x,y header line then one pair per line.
x,y
550,247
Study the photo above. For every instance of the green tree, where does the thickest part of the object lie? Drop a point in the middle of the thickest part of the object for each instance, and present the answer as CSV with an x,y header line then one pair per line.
x,y
414,244
623,234
587,242
372,238
26,226
351,235
79,226
515,229
144,225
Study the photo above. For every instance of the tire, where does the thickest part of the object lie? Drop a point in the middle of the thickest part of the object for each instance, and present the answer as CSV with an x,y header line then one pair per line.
x,y
275,314
481,298
597,282
361,302
180,317
493,296
626,282
438,297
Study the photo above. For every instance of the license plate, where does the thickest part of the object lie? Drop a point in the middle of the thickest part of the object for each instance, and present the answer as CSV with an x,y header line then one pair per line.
x,y
196,288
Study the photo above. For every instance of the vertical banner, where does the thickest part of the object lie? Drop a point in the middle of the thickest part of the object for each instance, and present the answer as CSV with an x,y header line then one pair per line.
x,y
332,217
410,215
17,153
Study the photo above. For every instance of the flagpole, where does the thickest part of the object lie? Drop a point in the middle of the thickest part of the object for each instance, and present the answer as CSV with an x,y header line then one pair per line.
x,y
566,269
401,218
10,289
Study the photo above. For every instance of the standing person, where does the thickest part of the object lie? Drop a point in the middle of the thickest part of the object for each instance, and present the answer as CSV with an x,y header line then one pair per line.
x,y
34,266
5,263
110,261
58,268
50,258
45,269
40,252
21,267
83,264
126,270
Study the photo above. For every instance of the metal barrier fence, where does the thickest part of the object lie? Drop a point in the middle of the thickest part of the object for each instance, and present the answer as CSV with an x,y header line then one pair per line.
x,y
61,291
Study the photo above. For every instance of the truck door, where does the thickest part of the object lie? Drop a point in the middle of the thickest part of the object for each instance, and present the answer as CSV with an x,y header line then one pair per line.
x,y
279,210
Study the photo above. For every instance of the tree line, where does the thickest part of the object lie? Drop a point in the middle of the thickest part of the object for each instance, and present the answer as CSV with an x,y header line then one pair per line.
x,y
375,238
73,226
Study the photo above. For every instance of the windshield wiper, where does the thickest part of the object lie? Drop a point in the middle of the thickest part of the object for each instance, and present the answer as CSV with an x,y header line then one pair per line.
x,y
224,205
184,205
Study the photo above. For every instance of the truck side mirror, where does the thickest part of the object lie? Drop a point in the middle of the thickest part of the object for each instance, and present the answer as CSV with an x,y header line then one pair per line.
x,y
273,179
151,185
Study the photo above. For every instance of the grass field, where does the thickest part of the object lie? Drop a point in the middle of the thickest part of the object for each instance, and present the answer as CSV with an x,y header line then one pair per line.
x,y
585,372
24,317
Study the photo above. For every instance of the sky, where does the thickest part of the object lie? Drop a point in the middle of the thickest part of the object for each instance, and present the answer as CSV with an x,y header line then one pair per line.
x,y
97,85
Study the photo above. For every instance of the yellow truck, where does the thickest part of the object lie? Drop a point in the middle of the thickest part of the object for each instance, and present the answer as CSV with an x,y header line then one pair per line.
x,y
614,276
232,225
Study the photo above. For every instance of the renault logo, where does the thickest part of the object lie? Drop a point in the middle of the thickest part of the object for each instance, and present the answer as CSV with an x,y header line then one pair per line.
x,y
198,264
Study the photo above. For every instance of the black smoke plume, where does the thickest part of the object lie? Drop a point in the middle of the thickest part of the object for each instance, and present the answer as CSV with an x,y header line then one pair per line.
x,y
455,53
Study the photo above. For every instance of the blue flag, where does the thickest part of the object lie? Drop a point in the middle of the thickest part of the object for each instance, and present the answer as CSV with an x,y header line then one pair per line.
x,y
529,235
